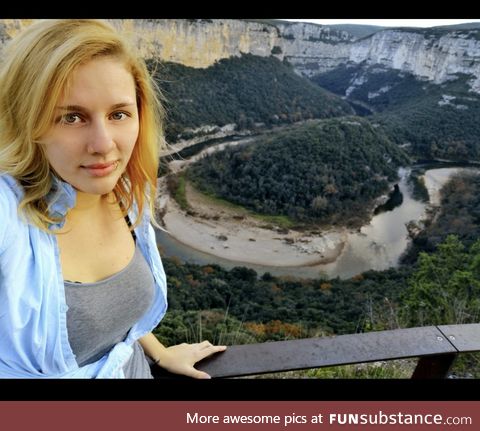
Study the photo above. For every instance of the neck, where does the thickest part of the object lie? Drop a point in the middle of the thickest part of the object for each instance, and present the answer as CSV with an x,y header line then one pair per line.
x,y
88,204
88,209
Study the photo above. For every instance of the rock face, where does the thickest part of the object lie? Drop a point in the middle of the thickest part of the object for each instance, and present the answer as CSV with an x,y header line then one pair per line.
x,y
199,43
310,48
436,58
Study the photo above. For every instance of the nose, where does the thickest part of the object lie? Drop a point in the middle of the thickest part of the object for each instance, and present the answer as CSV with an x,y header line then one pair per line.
x,y
100,138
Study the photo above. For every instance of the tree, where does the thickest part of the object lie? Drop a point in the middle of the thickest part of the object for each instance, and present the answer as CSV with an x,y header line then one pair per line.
x,y
445,287
319,204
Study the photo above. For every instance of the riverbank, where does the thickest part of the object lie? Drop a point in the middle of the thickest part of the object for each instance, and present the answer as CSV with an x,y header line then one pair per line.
x,y
214,234
234,235
435,179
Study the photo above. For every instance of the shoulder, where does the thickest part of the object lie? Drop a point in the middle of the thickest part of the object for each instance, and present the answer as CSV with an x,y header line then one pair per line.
x,y
10,190
10,196
11,193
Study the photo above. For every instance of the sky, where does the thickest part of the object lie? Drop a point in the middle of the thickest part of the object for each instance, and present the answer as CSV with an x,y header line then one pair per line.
x,y
388,22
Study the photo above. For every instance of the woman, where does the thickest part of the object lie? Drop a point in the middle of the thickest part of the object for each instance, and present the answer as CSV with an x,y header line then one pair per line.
x,y
81,280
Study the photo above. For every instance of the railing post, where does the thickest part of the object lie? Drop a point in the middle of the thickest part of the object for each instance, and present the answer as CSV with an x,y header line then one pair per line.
x,y
434,366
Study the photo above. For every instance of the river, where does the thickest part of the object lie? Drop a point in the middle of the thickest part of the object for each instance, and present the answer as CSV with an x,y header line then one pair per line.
x,y
377,245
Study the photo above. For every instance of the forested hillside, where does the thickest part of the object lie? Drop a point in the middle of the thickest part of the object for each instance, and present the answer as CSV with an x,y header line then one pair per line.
x,y
328,171
430,120
242,90
307,307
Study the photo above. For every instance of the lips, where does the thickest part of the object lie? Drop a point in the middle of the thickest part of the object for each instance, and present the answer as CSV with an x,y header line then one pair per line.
x,y
99,165
101,169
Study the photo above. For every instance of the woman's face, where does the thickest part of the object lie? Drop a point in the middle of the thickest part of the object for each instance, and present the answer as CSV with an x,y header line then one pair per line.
x,y
95,128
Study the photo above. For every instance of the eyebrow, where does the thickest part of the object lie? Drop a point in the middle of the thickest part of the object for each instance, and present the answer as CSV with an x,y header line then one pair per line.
x,y
81,108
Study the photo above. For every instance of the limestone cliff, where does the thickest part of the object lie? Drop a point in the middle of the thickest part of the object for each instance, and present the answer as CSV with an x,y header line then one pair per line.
x,y
310,48
436,57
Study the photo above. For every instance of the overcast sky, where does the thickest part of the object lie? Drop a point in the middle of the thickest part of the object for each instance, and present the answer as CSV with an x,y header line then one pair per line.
x,y
388,22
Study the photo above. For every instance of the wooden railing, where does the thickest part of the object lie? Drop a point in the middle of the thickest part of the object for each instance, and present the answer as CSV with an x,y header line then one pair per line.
x,y
436,348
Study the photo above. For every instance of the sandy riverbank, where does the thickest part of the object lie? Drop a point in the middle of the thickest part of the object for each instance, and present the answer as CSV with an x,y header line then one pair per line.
x,y
231,234
435,179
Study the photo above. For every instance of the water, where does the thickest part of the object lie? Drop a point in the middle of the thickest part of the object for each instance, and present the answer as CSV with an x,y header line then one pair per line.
x,y
377,245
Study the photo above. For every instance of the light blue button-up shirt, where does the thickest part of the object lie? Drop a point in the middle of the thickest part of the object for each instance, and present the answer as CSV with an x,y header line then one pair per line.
x,y
33,323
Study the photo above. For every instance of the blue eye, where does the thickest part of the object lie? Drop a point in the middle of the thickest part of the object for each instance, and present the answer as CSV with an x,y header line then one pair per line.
x,y
69,118
119,115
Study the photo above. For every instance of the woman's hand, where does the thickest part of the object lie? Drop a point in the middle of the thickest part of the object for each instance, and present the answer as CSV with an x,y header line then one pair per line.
x,y
181,358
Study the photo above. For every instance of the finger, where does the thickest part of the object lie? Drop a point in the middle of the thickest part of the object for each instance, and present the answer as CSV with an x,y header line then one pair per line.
x,y
205,344
217,348
210,351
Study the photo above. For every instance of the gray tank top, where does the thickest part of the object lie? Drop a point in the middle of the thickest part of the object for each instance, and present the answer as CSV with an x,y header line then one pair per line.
x,y
101,314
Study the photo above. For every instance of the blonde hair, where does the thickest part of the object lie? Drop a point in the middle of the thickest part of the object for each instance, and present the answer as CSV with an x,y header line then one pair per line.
x,y
36,68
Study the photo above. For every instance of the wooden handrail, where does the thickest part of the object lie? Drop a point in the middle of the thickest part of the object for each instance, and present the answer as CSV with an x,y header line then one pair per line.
x,y
435,346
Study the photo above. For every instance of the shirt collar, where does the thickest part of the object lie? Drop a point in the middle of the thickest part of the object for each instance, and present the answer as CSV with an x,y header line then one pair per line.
x,y
61,197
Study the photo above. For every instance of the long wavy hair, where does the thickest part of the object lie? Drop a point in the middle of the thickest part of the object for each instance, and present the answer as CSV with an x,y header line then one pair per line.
x,y
36,67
